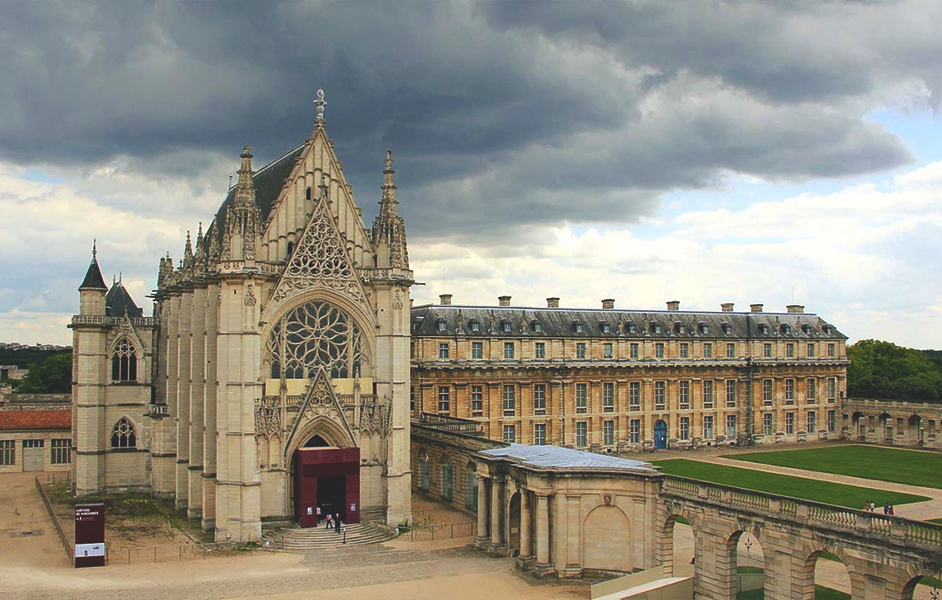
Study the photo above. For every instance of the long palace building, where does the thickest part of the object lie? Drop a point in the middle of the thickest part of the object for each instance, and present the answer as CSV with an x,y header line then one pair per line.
x,y
621,380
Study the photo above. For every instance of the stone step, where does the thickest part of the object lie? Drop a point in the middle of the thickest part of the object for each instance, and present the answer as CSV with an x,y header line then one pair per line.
x,y
320,538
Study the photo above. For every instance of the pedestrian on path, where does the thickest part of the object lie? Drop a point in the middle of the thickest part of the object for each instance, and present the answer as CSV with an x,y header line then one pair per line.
x,y
329,524
337,522
886,508
892,512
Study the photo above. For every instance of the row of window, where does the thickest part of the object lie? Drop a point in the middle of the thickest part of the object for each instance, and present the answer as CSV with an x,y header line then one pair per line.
x,y
60,451
634,350
634,428
448,481
630,327
727,388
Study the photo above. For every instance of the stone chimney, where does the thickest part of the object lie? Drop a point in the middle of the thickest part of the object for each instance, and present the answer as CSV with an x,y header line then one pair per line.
x,y
673,305
552,303
608,303
755,307
795,308
503,300
446,299
727,307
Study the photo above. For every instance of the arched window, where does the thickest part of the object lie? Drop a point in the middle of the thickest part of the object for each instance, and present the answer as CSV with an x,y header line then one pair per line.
x,y
424,473
123,434
316,334
124,362
448,481
471,487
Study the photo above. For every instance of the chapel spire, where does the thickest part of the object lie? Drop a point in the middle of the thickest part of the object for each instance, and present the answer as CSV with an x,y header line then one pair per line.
x,y
389,229
389,205
93,279
240,238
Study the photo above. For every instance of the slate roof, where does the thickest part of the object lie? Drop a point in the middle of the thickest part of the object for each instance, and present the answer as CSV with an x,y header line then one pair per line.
x,y
566,322
269,181
118,300
93,279
557,457
29,420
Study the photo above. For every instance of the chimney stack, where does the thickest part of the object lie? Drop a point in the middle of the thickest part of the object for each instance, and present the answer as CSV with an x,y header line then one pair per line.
x,y
552,303
727,307
608,303
756,307
503,300
673,305
446,299
795,308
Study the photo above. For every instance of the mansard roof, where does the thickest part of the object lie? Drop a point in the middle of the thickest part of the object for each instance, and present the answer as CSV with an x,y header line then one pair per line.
x,y
119,300
591,323
93,279
269,181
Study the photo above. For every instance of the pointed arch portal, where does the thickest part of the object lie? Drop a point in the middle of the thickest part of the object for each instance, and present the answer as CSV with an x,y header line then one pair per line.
x,y
326,480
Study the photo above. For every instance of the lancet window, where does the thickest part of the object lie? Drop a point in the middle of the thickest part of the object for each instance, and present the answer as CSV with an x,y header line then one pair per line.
x,y
123,435
124,362
313,335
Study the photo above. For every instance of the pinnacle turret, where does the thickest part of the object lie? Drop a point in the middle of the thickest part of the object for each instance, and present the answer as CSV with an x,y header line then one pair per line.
x,y
388,205
93,279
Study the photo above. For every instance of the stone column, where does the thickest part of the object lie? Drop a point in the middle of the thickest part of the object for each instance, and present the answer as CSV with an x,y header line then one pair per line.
x,y
497,485
526,545
483,536
542,535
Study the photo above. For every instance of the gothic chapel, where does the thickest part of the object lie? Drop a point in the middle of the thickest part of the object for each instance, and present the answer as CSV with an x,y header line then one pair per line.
x,y
272,379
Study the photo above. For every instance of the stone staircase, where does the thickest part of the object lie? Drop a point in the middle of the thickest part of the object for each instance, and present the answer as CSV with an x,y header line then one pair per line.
x,y
319,538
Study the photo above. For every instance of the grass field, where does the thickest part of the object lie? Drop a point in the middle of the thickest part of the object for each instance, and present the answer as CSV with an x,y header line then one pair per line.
x,y
773,483
870,462
936,521
820,593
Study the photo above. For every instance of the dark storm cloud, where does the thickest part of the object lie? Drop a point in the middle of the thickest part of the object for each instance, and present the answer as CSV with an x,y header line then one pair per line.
x,y
500,114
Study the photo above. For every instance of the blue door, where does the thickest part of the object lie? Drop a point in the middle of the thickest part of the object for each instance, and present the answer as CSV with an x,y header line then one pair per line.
x,y
660,435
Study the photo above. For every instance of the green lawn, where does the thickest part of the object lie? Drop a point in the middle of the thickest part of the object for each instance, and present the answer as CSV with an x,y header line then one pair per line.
x,y
796,487
820,593
870,462
938,521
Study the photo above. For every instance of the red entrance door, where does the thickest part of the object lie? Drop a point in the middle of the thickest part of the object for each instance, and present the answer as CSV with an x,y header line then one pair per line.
x,y
329,479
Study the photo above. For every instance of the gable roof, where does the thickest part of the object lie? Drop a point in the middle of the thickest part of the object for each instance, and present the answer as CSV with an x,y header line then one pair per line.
x,y
118,300
269,181
28,420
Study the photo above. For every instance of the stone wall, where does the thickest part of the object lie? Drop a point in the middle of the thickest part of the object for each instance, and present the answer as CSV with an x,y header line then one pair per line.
x,y
917,424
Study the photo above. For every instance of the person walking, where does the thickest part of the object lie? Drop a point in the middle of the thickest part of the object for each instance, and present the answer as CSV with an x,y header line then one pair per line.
x,y
328,522
337,522
886,508
892,512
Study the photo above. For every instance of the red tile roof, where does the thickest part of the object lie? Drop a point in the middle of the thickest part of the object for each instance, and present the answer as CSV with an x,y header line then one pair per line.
x,y
20,420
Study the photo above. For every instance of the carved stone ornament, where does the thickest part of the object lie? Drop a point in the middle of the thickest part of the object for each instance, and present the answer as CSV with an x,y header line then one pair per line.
x,y
268,417
250,299
607,498
397,300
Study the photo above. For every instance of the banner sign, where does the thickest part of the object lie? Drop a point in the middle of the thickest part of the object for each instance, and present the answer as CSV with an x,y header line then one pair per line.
x,y
89,535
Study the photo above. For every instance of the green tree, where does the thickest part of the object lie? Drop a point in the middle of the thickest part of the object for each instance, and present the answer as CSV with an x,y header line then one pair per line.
x,y
51,376
884,370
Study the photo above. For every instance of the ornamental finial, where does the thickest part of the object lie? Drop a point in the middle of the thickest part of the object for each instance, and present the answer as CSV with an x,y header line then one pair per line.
x,y
320,103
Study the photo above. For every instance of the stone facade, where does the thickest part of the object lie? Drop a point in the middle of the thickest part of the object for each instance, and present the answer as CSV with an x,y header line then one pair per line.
x,y
893,422
617,380
284,326
35,432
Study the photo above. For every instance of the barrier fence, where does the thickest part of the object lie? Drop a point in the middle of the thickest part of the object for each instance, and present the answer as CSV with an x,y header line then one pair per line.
x,y
442,532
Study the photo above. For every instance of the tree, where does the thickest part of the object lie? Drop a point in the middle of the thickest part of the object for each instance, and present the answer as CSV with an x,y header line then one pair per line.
x,y
884,370
51,376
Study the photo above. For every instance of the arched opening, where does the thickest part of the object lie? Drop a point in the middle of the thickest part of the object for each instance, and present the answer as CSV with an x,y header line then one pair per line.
x,y
316,441
886,428
660,434
124,362
606,540
859,427
914,433
922,588
829,575
747,566
123,435
326,481
424,471
513,522
448,481
678,542
471,487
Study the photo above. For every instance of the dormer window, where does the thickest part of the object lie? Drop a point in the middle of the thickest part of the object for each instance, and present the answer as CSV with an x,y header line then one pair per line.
x,y
631,327
505,326
763,329
679,328
806,328
537,327
606,328
727,328
786,329
475,326
826,329
655,328
441,326
704,328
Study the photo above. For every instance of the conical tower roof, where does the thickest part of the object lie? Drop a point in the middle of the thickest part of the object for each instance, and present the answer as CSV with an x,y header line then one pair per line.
x,y
93,279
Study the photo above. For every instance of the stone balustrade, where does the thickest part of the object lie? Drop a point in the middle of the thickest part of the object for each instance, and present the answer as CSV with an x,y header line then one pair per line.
x,y
810,514
104,320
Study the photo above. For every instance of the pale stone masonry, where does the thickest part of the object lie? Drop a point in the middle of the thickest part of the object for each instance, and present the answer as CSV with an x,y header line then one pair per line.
x,y
284,327
622,380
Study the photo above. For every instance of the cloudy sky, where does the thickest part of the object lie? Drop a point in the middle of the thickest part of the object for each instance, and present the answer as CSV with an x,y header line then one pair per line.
x,y
703,152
